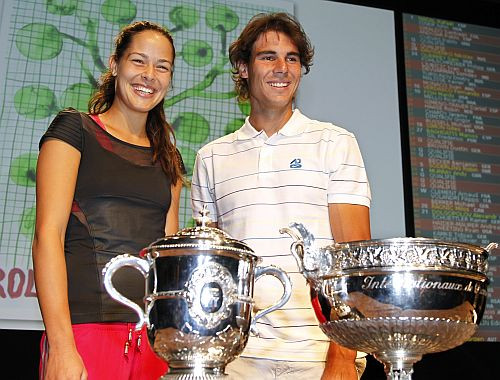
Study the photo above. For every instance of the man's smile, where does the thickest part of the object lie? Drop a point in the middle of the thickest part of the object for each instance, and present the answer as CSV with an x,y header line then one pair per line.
x,y
279,84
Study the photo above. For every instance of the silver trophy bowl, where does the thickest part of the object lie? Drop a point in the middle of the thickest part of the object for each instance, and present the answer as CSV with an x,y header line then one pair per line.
x,y
198,302
394,298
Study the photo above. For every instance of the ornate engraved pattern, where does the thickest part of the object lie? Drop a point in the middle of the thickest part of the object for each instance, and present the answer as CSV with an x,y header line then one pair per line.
x,y
407,253
188,352
201,238
211,291
206,246
413,335
396,253
192,376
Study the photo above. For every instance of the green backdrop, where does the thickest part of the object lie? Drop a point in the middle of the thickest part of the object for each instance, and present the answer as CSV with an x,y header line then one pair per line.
x,y
53,53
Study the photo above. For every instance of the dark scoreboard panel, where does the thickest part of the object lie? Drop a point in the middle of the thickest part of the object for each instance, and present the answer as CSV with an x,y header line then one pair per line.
x,y
453,101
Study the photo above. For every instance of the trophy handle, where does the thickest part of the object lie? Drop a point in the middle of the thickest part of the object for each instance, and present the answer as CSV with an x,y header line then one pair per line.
x,y
490,247
287,292
110,269
302,248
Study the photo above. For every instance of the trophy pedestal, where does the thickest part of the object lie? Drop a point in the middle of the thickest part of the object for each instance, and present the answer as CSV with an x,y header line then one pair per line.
x,y
200,373
399,342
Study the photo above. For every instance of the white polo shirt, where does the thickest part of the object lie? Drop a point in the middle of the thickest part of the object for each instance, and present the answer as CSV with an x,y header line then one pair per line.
x,y
253,185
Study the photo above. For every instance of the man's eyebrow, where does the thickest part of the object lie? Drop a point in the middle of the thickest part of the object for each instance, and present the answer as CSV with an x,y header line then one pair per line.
x,y
266,52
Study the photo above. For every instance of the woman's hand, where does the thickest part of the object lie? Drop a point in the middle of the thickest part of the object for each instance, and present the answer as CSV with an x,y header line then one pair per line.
x,y
66,365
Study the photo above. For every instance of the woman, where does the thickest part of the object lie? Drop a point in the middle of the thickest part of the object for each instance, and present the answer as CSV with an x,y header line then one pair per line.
x,y
108,183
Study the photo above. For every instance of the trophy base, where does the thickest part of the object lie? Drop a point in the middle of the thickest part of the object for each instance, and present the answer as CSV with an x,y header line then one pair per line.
x,y
399,343
192,376
195,374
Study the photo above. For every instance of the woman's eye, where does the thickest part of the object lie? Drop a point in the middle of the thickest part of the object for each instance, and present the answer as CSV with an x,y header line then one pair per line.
x,y
137,60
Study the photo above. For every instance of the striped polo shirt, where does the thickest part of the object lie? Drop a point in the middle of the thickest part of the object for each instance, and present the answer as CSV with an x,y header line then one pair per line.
x,y
253,185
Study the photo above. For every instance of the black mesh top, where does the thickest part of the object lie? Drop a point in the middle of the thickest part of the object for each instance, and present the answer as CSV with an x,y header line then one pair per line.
x,y
120,205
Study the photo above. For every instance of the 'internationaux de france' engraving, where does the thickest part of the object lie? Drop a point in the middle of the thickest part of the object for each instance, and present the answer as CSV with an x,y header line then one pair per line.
x,y
385,282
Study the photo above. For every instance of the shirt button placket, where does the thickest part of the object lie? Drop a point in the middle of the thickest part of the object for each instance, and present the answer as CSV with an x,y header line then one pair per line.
x,y
265,162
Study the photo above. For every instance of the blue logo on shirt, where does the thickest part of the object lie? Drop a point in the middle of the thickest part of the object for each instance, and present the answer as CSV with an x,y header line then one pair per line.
x,y
296,163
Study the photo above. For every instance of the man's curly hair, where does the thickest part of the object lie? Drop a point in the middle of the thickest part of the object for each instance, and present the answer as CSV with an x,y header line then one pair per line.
x,y
240,50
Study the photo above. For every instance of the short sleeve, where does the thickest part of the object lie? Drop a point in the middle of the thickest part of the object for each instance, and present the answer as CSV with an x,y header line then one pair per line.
x,y
202,190
67,127
348,182
181,162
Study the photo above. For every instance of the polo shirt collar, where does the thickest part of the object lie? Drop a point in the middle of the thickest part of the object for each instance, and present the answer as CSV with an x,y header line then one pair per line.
x,y
247,131
294,126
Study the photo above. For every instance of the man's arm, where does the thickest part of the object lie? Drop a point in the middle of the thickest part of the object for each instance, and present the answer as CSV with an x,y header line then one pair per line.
x,y
348,223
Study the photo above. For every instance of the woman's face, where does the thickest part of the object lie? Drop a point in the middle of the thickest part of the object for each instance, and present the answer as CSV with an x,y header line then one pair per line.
x,y
144,72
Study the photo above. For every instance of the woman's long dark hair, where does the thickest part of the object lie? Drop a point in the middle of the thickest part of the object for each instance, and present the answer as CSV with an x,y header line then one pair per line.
x,y
160,133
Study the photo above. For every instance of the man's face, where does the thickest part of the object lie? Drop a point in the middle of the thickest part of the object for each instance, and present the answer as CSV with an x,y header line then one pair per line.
x,y
273,72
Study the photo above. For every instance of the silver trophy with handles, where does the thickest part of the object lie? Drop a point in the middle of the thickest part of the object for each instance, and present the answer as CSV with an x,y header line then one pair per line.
x,y
198,303
394,298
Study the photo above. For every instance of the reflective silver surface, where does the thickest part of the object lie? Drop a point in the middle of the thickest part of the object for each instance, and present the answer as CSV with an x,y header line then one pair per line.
x,y
395,298
198,303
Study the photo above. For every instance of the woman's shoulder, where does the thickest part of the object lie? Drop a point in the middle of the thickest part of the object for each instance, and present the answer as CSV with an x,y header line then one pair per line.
x,y
68,117
66,126
69,114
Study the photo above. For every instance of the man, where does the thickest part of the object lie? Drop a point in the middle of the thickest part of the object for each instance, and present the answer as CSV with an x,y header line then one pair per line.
x,y
283,167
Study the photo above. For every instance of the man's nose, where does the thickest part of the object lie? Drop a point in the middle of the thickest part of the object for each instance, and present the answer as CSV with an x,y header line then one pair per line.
x,y
281,65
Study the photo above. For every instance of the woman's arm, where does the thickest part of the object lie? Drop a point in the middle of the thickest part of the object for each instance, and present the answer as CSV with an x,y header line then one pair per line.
x,y
57,170
172,222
